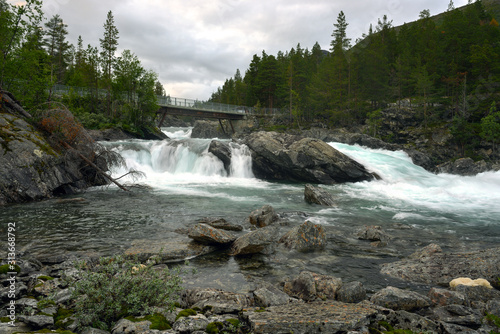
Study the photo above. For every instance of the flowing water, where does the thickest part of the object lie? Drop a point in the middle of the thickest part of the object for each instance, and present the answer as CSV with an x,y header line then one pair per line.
x,y
183,183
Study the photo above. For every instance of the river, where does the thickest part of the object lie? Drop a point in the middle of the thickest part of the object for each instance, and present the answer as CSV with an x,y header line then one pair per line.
x,y
183,183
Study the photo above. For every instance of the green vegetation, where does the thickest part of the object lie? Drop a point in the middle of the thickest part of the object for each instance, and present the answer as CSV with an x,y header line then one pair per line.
x,y
35,59
158,321
185,313
6,269
117,288
448,67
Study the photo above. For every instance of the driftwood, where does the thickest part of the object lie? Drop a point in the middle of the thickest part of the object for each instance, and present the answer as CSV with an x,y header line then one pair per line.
x,y
13,103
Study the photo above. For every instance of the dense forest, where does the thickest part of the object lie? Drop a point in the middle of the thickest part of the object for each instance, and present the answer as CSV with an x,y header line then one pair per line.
x,y
447,66
36,59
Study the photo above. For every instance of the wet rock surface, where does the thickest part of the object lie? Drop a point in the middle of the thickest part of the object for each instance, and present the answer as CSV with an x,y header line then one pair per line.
x,y
278,156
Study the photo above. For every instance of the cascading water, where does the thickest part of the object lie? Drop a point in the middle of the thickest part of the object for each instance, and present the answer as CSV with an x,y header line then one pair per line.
x,y
186,182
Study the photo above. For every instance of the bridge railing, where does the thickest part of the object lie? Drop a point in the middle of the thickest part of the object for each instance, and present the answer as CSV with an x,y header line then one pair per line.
x,y
196,104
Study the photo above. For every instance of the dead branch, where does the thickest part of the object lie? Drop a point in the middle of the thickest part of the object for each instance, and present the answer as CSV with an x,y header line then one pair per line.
x,y
12,103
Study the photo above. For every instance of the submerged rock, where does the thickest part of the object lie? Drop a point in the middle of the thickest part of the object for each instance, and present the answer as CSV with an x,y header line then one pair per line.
x,y
279,156
316,195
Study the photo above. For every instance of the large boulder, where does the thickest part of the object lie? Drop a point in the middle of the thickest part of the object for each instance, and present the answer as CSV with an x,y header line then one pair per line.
x,y
278,156
30,169
207,129
432,266
221,150
397,299
263,217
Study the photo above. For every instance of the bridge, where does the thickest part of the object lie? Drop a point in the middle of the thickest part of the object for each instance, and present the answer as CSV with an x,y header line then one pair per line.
x,y
188,107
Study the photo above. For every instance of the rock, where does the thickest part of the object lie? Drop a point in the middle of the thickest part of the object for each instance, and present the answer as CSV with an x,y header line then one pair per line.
x,y
493,307
431,266
191,324
209,235
125,326
20,290
30,169
309,286
221,150
37,321
207,129
459,315
305,237
113,134
221,224
397,299
19,327
278,156
255,242
444,297
219,301
316,195
464,167
94,331
373,233
404,320
311,318
169,251
302,287
475,294
470,282
271,296
352,292
264,216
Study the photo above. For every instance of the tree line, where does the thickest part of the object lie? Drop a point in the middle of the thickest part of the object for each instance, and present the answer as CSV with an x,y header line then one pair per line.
x,y
450,60
35,56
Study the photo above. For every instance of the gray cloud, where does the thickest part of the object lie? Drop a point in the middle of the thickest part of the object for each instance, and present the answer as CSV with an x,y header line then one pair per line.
x,y
195,45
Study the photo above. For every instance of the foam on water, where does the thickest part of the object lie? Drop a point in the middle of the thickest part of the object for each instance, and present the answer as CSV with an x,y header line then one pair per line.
x,y
405,185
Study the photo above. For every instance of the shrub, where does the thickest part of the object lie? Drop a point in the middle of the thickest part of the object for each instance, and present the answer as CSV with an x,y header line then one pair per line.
x,y
117,288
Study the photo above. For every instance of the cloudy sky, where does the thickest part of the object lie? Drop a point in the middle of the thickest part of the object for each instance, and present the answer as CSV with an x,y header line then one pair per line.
x,y
195,45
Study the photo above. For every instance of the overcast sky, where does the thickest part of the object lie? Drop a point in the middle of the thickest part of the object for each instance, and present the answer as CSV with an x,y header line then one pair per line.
x,y
195,45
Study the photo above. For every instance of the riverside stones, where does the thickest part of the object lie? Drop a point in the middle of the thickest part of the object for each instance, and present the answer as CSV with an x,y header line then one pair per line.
x,y
432,266
207,234
311,318
263,217
397,299
309,286
255,242
305,237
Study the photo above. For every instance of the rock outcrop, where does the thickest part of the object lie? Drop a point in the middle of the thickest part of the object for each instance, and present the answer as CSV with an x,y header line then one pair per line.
x,y
31,169
432,266
278,156
207,129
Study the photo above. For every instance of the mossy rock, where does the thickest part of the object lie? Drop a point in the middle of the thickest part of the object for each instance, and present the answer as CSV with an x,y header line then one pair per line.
x,y
158,321
4,319
185,313
6,269
45,278
214,327
235,322
61,318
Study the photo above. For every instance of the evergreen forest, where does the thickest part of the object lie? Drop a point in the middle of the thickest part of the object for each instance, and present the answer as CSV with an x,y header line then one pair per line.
x,y
445,66
38,66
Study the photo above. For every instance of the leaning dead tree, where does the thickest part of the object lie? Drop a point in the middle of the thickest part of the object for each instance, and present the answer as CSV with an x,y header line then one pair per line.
x,y
69,136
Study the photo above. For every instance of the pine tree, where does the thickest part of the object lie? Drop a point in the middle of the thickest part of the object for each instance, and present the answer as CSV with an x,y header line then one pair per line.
x,y
57,47
109,45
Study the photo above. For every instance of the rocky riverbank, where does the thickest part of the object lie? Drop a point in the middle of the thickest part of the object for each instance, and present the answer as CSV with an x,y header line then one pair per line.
x,y
308,302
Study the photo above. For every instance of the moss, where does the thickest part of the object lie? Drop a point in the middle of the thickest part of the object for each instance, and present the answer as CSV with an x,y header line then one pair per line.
x,y
185,313
214,327
45,278
61,318
44,303
158,321
261,309
4,319
6,269
235,322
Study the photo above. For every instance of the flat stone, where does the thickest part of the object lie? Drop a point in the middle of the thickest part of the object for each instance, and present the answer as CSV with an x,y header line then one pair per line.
x,y
206,234
310,318
168,250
